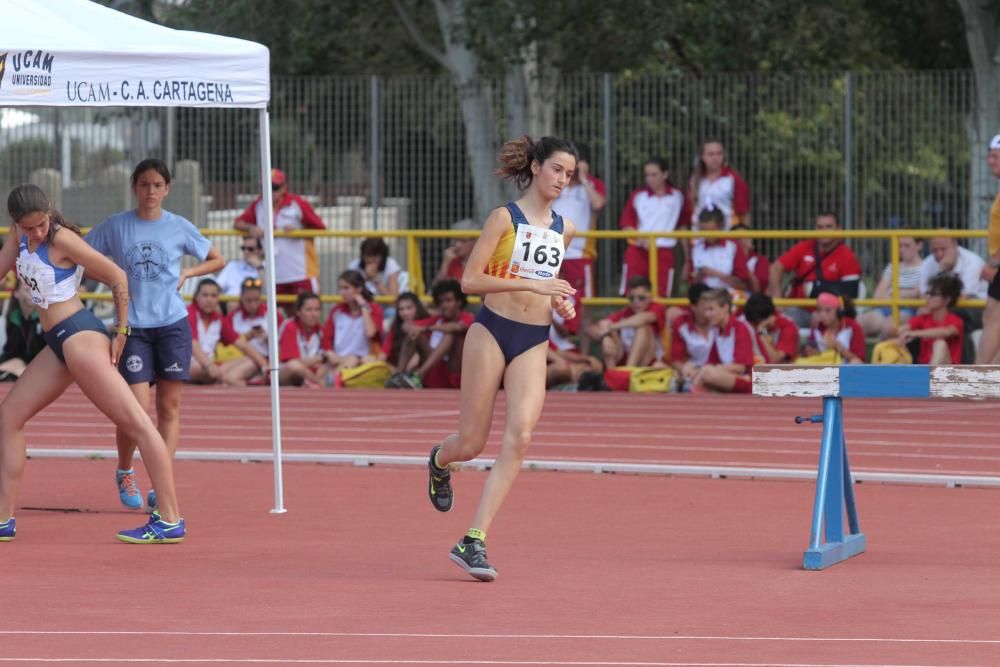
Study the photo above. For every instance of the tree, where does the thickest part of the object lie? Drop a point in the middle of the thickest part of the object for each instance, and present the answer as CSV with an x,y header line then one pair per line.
x,y
982,31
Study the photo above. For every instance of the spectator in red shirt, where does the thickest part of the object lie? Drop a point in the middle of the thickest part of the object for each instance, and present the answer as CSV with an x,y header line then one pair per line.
x,y
300,345
777,337
840,269
758,265
939,330
715,184
295,265
437,342
409,309
690,338
731,355
580,201
208,329
631,336
249,319
455,255
718,263
352,334
658,207
836,329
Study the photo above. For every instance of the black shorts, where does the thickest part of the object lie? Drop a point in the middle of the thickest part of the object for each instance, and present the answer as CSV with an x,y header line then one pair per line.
x,y
513,337
994,291
157,353
81,320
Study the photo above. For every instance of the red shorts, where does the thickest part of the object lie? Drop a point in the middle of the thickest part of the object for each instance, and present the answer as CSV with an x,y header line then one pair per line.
x,y
637,264
298,287
439,377
579,273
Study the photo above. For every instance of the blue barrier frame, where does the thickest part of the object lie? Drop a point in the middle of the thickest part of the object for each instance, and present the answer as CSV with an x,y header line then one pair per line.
x,y
834,495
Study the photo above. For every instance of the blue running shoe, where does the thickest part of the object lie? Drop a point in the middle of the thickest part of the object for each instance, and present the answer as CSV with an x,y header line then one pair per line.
x,y
7,530
156,531
128,490
151,501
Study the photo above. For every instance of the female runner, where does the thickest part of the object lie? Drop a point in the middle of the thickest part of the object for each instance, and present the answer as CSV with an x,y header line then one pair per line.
x,y
514,264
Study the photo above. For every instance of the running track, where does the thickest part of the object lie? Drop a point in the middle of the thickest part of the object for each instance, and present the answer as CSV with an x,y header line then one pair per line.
x,y
594,569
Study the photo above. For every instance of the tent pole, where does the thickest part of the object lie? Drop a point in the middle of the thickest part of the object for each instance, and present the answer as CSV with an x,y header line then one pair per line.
x,y
272,308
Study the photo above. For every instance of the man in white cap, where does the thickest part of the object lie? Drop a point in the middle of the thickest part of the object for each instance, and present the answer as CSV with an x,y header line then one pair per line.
x,y
989,346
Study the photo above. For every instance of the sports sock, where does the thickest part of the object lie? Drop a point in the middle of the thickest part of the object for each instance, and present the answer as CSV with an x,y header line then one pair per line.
x,y
472,535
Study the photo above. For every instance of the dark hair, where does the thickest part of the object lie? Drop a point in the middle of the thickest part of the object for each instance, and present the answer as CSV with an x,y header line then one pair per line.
x,y
949,285
758,308
301,299
29,198
397,323
449,286
847,304
159,166
695,291
638,281
582,151
720,296
659,163
205,282
356,279
517,155
255,239
375,246
712,214
701,169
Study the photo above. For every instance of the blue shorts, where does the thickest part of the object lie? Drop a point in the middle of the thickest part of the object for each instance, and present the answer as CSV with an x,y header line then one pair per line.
x,y
512,336
157,353
81,320
902,311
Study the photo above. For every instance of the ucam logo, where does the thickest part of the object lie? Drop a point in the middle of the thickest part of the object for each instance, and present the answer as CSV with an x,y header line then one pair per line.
x,y
543,274
30,69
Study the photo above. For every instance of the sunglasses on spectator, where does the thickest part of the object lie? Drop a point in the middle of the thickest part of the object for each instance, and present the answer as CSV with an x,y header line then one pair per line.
x,y
248,248
275,187
935,294
638,297
252,282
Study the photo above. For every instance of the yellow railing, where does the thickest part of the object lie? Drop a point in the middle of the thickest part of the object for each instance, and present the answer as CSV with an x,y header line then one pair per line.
x,y
418,285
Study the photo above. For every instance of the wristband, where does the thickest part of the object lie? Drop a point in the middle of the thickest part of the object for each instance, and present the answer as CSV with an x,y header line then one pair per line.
x,y
123,330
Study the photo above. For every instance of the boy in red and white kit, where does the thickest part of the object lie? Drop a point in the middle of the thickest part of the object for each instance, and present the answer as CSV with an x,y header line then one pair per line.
x,y
777,337
632,336
438,341
718,263
939,330
690,338
296,267
731,356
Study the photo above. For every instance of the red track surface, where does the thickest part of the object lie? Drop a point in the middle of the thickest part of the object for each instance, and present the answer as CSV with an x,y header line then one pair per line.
x,y
609,569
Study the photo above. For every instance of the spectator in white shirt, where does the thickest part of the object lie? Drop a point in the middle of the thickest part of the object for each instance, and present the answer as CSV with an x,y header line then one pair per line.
x,y
876,320
949,257
250,265
381,271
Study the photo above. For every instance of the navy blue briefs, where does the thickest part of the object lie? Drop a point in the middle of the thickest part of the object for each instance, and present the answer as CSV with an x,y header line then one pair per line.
x,y
513,337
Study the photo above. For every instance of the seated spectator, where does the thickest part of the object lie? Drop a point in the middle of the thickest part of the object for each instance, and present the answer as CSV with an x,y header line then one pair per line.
x,y
816,265
563,333
718,263
776,336
381,271
946,256
353,331
565,361
939,330
409,309
437,342
24,334
836,336
631,336
455,255
300,349
730,358
691,338
250,265
208,329
758,265
875,321
657,207
248,319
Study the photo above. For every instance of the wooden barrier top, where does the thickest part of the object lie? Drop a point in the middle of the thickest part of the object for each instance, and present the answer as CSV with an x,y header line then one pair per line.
x,y
877,381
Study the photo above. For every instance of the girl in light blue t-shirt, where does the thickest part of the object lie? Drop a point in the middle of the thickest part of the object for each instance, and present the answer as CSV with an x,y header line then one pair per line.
x,y
149,244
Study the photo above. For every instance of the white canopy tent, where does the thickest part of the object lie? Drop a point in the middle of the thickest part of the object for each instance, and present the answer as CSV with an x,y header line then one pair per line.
x,y
76,53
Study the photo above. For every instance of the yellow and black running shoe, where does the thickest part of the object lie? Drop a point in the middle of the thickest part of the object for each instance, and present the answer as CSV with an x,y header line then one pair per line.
x,y
440,485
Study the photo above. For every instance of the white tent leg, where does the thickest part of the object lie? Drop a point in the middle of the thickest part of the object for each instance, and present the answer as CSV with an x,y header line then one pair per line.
x,y
272,309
